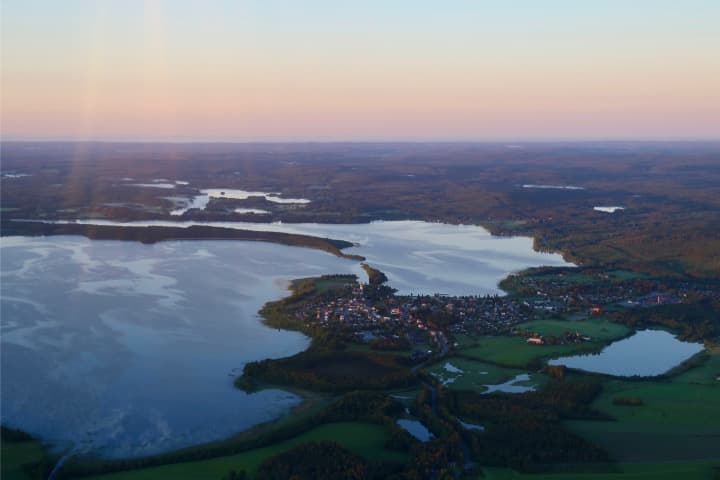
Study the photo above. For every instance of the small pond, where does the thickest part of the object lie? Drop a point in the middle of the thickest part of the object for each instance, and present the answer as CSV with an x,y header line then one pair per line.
x,y
471,426
519,384
647,353
416,429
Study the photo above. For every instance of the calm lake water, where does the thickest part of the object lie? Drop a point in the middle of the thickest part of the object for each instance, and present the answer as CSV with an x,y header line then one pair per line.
x,y
127,349
647,353
418,257
416,429
519,384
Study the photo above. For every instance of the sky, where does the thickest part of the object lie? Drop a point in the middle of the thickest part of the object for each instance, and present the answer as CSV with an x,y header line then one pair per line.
x,y
272,70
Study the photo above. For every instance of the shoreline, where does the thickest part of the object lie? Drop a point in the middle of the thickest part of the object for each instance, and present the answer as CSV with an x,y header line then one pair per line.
x,y
154,234
256,434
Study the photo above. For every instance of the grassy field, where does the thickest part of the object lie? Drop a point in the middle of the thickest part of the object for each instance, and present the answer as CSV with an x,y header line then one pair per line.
x,y
625,275
513,351
476,375
364,439
15,455
653,471
706,374
598,328
323,284
576,278
679,418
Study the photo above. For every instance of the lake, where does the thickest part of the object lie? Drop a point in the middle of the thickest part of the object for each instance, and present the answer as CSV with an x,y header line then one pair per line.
x,y
127,349
418,257
647,353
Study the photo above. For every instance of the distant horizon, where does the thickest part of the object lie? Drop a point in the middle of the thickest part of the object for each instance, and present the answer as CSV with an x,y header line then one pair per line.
x,y
525,140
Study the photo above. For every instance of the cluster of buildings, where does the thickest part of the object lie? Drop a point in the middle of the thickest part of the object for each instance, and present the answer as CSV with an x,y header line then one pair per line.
x,y
567,338
387,321
555,294
421,323
416,322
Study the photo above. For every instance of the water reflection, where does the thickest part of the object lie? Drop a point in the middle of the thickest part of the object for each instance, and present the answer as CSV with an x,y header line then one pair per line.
x,y
418,257
126,349
647,353
416,429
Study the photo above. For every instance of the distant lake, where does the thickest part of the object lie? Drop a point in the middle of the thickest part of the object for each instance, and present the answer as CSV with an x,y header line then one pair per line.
x,y
201,201
418,257
647,353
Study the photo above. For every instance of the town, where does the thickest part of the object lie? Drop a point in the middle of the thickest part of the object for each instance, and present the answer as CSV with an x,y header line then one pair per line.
x,y
372,313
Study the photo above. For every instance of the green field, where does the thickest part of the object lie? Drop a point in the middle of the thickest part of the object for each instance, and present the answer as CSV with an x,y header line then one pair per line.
x,y
476,375
575,278
706,374
15,455
323,284
597,328
679,418
514,351
653,471
625,275
364,439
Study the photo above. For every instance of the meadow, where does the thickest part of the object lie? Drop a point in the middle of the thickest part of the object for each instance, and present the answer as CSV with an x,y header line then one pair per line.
x,y
679,418
598,328
514,351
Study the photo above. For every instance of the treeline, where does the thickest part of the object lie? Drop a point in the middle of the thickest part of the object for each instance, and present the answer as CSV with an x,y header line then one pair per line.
x,y
695,321
329,371
8,434
315,461
41,466
154,234
375,276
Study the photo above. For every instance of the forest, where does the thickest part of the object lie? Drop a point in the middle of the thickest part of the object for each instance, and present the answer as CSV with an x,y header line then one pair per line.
x,y
670,191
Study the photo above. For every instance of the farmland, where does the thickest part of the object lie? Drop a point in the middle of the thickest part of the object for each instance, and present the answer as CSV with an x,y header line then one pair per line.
x,y
679,419
599,329
514,351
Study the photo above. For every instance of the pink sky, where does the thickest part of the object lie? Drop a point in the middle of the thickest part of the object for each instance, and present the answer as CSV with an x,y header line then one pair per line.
x,y
185,70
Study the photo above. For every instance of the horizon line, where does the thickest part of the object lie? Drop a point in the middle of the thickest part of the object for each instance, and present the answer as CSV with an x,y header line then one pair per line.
x,y
374,141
